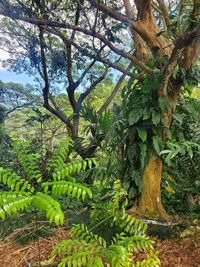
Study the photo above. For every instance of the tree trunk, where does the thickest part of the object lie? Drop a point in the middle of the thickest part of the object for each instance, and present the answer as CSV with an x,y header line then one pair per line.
x,y
150,200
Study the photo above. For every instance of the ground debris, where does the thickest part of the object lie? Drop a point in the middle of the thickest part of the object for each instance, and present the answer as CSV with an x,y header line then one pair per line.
x,y
181,252
13,255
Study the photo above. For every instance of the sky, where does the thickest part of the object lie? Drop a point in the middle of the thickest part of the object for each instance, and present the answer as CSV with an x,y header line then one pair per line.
x,y
9,76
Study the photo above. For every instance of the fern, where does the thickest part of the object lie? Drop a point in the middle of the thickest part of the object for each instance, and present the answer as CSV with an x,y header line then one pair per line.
x,y
26,193
60,153
13,202
89,249
51,207
13,181
75,190
131,224
29,161
73,167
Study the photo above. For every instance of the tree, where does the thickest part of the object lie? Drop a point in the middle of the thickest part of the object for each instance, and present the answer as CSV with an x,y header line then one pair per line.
x,y
15,96
145,40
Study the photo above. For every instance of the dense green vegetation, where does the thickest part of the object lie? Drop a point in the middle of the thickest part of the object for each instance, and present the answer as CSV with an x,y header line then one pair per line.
x,y
110,124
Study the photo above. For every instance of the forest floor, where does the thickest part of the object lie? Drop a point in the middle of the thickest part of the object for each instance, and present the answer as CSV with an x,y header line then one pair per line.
x,y
178,252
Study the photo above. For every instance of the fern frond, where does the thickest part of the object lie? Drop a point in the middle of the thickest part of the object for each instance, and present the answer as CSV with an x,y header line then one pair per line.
x,y
118,256
28,161
7,197
73,167
80,231
88,249
81,260
151,260
68,188
78,252
131,225
50,206
13,203
58,158
137,243
14,181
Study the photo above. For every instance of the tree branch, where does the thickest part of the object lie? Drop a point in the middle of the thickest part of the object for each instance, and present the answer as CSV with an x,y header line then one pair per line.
x,y
78,82
110,12
114,92
164,11
71,86
56,112
86,53
182,43
129,9
92,86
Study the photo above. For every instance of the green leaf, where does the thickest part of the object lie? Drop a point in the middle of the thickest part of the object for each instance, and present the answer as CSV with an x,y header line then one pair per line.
x,y
142,134
178,118
157,144
143,152
135,116
167,151
155,117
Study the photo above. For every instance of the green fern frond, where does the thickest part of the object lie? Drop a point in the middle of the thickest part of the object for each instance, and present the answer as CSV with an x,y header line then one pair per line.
x,y
7,197
50,206
151,260
131,225
68,188
13,203
88,249
137,242
85,250
58,158
77,253
80,231
14,181
73,167
28,161
81,260
118,256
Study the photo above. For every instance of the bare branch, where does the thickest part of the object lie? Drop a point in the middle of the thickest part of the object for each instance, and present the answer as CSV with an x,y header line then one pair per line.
x,y
85,14
86,53
56,112
129,9
19,107
125,54
114,92
109,11
92,86
164,11
78,82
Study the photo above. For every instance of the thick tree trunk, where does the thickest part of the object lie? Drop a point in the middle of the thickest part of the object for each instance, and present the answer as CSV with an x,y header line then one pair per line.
x,y
150,200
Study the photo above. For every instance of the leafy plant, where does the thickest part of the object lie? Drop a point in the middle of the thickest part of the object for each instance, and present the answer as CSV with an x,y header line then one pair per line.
x,y
89,249
31,188
181,177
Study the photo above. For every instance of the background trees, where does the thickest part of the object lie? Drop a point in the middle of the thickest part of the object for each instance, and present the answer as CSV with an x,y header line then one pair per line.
x,y
76,46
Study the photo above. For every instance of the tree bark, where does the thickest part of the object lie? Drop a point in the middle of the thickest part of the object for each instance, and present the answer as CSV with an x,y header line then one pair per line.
x,y
150,203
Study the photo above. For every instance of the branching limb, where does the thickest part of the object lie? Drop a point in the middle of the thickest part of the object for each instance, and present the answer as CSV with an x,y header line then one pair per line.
x,y
85,72
46,94
114,92
85,52
91,87
164,11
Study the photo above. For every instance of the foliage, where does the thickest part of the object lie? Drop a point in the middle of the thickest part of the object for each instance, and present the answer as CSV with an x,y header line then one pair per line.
x,y
134,131
89,249
5,140
32,188
36,126
181,177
